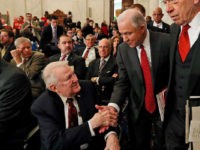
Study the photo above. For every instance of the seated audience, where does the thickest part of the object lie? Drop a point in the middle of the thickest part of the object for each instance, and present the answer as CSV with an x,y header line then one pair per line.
x,y
31,62
103,71
65,44
68,121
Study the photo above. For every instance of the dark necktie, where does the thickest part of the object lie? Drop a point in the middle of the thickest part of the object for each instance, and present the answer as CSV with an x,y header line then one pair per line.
x,y
184,43
86,53
72,114
63,57
102,64
150,103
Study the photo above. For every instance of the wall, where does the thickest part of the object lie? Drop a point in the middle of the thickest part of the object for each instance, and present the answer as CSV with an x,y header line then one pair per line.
x,y
98,10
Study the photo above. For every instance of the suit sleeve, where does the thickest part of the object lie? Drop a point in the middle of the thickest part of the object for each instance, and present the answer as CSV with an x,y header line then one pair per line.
x,y
122,85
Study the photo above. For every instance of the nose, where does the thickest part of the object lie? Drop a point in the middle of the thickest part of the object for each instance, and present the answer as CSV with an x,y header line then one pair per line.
x,y
125,38
169,8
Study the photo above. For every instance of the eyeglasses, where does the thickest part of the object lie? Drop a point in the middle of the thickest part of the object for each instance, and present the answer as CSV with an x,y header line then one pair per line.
x,y
169,1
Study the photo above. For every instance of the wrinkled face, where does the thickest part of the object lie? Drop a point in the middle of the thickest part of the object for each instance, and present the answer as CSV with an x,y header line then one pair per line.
x,y
104,49
54,22
133,36
89,41
157,15
67,82
25,49
180,11
4,38
65,45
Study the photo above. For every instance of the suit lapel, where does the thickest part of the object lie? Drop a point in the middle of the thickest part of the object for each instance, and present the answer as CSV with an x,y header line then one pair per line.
x,y
134,61
80,101
155,54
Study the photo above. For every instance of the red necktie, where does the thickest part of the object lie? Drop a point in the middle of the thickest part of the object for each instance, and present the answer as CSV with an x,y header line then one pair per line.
x,y
184,43
72,114
86,53
150,103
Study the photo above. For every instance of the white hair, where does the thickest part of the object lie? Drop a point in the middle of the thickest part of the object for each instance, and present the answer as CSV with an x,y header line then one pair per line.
x,y
134,15
49,75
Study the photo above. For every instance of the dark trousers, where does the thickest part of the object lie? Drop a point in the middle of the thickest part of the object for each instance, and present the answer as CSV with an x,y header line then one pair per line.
x,y
175,131
146,133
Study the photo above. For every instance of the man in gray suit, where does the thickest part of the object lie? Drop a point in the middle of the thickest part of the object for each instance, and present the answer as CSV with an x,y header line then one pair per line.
x,y
133,81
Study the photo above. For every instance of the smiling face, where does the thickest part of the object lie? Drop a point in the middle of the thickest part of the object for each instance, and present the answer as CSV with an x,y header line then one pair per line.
x,y
67,85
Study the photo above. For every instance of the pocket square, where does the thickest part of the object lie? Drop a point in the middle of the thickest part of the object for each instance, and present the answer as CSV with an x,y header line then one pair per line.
x,y
108,71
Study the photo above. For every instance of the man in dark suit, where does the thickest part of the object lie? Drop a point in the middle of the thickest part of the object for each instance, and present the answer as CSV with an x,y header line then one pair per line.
x,y
65,44
7,41
184,78
89,52
16,120
49,37
57,132
133,78
157,24
103,71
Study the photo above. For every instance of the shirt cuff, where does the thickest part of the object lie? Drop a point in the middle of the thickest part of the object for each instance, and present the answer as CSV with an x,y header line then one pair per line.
x,y
97,80
115,106
18,65
91,130
109,133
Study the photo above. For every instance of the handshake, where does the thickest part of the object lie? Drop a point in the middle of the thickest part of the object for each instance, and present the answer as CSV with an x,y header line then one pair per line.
x,y
105,117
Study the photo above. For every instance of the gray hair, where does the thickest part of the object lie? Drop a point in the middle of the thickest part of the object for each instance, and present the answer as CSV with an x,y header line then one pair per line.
x,y
108,41
135,15
21,40
49,75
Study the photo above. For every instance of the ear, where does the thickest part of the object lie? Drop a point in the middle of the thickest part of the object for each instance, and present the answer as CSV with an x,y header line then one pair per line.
x,y
196,2
52,88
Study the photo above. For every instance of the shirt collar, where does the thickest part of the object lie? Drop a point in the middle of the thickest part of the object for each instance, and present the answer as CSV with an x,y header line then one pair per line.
x,y
106,59
195,21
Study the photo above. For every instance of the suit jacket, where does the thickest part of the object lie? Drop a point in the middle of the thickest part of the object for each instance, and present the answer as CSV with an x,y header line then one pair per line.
x,y
165,29
51,118
193,87
73,60
15,101
7,57
46,36
79,51
131,82
106,81
33,67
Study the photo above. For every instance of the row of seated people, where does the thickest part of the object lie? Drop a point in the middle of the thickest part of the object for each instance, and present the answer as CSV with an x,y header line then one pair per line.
x,y
102,74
